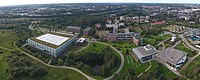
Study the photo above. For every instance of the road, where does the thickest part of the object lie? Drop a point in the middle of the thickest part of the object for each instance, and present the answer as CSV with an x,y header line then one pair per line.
x,y
85,46
122,60
188,44
145,70
64,67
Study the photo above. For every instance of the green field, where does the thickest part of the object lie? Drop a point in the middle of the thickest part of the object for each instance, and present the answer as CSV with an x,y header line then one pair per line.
x,y
165,71
7,38
3,65
182,47
154,40
131,63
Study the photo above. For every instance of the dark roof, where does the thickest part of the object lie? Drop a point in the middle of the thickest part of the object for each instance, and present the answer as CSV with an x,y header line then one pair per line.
x,y
88,29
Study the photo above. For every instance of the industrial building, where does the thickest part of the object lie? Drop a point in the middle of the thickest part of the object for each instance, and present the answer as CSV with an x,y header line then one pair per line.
x,y
52,43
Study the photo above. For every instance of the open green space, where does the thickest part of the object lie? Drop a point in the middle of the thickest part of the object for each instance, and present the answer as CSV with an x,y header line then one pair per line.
x,y
3,64
154,40
181,46
92,51
130,63
164,71
7,38
123,45
192,70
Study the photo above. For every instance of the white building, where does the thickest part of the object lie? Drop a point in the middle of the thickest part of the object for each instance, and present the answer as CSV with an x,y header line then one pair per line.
x,y
52,43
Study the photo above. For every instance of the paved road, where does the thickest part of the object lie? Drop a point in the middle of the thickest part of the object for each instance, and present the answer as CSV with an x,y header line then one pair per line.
x,y
65,67
188,44
145,70
85,46
5,48
176,44
122,60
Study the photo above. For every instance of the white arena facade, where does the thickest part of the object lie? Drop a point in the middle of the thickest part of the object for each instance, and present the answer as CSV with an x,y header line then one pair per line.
x,y
52,43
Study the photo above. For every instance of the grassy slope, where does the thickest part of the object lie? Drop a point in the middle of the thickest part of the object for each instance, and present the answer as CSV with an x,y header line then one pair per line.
x,y
129,61
7,39
181,47
3,65
166,72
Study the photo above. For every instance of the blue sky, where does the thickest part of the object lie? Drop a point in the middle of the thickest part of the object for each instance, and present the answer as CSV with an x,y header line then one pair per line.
x,y
21,2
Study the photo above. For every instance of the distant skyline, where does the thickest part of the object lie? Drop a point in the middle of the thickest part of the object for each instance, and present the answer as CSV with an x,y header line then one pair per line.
x,y
25,2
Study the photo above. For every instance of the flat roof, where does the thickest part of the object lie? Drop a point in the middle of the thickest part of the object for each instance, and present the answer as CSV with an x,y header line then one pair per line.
x,y
81,40
173,55
144,51
52,39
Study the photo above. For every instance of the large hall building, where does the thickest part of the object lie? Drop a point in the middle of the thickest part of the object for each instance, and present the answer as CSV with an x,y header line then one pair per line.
x,y
52,43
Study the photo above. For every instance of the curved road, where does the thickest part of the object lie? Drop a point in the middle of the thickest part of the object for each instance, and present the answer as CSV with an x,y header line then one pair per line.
x,y
79,71
122,60
88,77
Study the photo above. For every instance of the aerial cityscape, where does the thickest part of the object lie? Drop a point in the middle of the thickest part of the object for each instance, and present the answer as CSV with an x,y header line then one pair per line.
x,y
100,41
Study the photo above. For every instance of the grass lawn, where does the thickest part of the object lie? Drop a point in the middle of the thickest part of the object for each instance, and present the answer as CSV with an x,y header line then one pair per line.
x,y
165,71
181,46
7,39
123,45
130,63
153,40
3,65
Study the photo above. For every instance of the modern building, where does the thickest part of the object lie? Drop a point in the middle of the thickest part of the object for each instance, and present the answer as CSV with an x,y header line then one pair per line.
x,y
73,29
173,57
145,53
87,31
52,43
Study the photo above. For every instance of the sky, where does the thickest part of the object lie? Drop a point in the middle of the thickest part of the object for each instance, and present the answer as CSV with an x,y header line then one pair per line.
x,y
24,2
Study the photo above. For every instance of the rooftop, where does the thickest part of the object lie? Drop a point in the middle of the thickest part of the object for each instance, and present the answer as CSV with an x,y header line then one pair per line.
x,y
88,29
144,51
73,27
52,39
173,55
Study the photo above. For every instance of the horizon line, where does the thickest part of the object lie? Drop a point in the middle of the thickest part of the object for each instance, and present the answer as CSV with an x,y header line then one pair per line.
x,y
98,3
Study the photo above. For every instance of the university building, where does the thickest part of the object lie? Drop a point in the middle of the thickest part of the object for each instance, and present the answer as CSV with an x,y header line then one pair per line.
x,y
52,43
